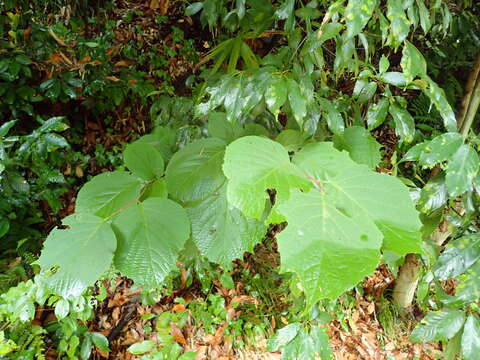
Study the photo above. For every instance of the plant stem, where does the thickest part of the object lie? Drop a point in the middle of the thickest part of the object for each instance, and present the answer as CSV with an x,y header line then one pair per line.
x,y
472,109
469,89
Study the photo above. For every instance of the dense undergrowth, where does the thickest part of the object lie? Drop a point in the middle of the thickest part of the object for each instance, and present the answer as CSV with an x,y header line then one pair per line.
x,y
233,171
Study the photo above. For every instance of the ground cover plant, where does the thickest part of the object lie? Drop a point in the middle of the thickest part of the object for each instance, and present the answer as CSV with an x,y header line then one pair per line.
x,y
239,179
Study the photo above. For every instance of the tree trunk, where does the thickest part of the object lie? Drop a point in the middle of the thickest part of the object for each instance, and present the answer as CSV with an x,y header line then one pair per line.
x,y
407,281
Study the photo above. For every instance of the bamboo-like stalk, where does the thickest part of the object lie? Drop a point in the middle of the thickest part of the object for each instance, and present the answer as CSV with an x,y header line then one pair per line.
x,y
469,89
472,109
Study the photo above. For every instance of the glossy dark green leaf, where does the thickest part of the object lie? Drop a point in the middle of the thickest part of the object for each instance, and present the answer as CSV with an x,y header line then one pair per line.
x,y
404,123
357,14
471,338
459,256
438,98
413,63
439,326
276,94
297,100
439,149
400,25
462,169
334,118
424,14
433,195
394,78
468,286
5,128
377,113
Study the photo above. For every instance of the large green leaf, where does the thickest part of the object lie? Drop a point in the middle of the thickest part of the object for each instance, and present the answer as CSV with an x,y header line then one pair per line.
x,y
357,14
331,248
253,165
108,193
471,338
83,253
195,171
346,214
439,326
322,161
143,160
386,200
462,169
150,236
220,231
362,147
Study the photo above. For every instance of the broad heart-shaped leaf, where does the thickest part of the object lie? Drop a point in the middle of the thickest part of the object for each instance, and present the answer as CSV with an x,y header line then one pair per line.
x,y
162,139
150,235
413,63
322,161
357,14
459,256
107,193
83,253
195,171
220,231
362,147
385,200
404,123
439,326
462,169
471,338
331,248
143,160
439,149
254,164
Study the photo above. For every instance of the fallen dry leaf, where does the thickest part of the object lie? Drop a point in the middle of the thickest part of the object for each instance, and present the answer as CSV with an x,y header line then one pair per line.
x,y
177,334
